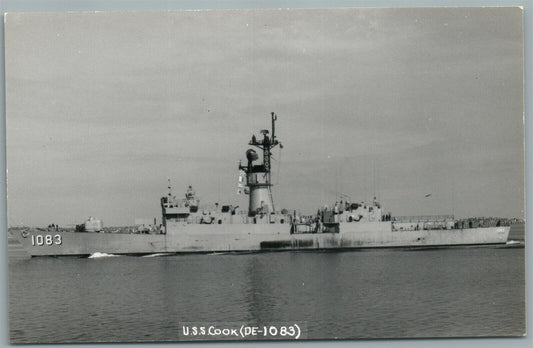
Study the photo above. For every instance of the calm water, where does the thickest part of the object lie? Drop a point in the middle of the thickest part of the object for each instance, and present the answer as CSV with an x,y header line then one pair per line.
x,y
356,294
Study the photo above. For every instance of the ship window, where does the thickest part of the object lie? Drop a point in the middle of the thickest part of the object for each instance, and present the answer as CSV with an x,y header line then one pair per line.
x,y
193,208
225,208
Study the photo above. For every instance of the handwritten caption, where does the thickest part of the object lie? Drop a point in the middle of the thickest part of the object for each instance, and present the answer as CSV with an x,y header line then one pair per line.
x,y
241,331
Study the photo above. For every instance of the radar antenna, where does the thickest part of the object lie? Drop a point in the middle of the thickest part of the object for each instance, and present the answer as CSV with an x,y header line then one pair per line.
x,y
258,176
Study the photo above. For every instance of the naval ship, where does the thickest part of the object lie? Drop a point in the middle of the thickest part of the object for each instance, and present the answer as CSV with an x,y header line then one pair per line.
x,y
188,227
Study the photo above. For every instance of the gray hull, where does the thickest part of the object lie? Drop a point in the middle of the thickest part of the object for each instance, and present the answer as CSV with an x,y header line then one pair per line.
x,y
250,237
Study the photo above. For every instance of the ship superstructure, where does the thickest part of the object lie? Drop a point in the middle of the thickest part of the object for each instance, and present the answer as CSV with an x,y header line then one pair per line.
x,y
258,176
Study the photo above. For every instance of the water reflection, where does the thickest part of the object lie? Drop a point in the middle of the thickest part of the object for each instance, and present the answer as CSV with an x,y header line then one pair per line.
x,y
364,294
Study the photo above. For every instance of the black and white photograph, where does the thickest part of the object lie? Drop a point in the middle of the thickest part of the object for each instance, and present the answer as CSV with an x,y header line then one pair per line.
x,y
265,174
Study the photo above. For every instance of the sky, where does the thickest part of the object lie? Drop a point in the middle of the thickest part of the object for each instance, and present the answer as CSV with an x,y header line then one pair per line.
x,y
102,108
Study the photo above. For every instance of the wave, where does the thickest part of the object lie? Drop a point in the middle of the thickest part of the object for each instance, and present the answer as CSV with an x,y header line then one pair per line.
x,y
98,255
156,255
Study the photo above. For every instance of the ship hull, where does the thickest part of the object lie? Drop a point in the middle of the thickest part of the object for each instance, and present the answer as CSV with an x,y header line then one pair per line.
x,y
249,237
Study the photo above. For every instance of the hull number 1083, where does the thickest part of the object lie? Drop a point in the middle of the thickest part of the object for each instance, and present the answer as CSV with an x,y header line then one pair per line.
x,y
46,239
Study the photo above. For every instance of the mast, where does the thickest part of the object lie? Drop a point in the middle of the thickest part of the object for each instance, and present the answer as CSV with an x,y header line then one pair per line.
x,y
259,175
